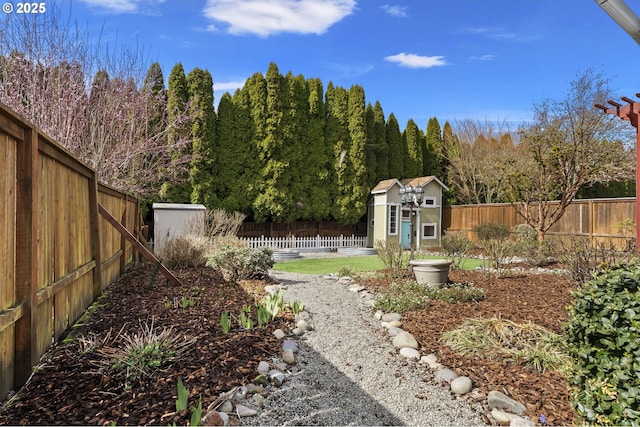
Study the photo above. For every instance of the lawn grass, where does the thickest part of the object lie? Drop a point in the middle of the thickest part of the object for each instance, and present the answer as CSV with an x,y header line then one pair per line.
x,y
355,263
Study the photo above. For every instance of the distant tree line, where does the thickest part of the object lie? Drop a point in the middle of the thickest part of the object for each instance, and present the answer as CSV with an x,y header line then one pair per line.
x,y
284,147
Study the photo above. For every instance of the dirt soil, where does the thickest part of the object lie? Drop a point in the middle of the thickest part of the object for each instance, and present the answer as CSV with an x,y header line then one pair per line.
x,y
70,387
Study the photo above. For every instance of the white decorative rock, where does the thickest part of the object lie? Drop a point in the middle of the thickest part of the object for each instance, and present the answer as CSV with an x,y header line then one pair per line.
x,y
521,422
290,345
405,339
446,374
297,332
410,353
226,407
263,367
279,334
356,288
303,315
277,377
502,417
243,411
378,314
499,400
394,331
431,360
461,385
388,317
288,357
302,325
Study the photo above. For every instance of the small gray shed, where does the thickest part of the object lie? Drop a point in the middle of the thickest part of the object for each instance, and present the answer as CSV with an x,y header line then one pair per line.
x,y
175,219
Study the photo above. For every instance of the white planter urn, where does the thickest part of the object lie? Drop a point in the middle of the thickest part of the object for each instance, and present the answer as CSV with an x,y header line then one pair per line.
x,y
431,272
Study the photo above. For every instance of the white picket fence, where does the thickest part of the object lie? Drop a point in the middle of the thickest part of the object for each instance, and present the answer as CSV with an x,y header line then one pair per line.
x,y
317,242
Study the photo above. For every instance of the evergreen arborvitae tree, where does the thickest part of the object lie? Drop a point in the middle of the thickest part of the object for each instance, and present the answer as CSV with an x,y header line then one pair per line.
x,y
449,143
354,191
371,148
434,162
202,115
317,166
394,143
177,188
413,142
382,147
275,201
237,154
339,141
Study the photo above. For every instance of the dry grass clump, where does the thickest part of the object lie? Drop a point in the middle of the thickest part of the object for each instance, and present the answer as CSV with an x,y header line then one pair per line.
x,y
525,344
186,251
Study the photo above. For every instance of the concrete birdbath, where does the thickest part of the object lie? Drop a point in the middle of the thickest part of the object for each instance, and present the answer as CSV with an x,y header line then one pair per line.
x,y
431,272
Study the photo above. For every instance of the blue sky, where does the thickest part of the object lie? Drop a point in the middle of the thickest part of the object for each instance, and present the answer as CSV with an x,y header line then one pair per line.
x,y
482,60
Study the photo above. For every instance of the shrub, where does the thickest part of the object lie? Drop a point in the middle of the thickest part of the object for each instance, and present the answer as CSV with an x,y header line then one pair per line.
x,y
497,247
403,296
456,246
603,332
393,256
490,231
185,251
581,258
528,247
236,260
456,292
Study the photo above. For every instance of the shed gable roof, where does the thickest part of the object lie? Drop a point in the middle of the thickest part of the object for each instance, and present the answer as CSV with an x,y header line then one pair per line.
x,y
387,184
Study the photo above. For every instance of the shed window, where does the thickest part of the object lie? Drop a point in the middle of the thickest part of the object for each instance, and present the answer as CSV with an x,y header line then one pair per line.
x,y
429,231
429,202
393,219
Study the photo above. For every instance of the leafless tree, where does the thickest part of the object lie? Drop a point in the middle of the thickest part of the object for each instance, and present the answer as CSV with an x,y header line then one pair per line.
x,y
46,66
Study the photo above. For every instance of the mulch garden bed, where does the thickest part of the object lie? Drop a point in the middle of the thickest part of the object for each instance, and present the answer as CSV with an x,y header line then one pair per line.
x,y
538,298
69,387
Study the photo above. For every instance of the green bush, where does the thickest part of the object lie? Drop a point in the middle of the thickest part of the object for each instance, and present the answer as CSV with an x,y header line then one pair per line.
x,y
403,296
603,332
528,247
456,292
393,256
456,246
490,231
236,260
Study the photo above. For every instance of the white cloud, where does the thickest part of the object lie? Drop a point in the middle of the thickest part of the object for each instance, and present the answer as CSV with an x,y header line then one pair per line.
x,y
399,11
228,86
267,17
124,6
499,34
411,60
483,58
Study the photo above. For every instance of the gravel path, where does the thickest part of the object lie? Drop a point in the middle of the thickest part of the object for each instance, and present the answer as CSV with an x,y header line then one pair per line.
x,y
348,372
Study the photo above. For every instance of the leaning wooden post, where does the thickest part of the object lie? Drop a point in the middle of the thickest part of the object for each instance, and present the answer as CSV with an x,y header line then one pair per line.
x,y
629,112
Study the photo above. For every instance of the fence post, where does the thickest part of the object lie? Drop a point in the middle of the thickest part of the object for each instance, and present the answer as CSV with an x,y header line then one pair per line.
x,y
94,224
27,207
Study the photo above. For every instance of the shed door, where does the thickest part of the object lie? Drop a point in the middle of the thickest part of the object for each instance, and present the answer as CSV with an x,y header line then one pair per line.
x,y
405,234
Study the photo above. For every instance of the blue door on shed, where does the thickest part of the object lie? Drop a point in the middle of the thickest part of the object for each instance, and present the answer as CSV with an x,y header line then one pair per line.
x,y
405,234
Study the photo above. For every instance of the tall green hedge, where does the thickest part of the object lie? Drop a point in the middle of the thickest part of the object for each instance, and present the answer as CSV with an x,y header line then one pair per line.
x,y
604,338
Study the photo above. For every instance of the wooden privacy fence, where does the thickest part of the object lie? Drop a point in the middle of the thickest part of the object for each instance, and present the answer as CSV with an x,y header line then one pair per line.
x,y
56,253
317,242
598,219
